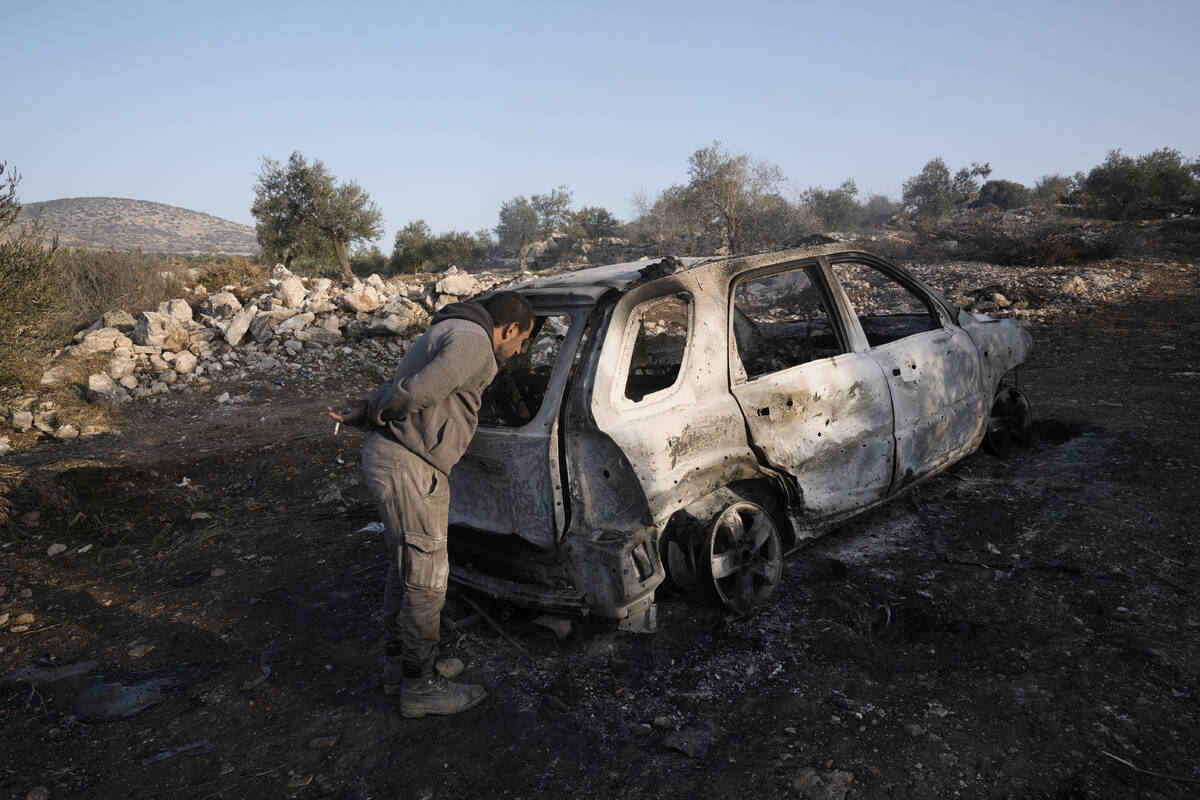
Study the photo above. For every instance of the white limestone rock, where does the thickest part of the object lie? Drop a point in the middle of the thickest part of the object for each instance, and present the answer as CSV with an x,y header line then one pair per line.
x,y
459,284
179,310
185,362
121,320
290,292
223,305
154,329
239,325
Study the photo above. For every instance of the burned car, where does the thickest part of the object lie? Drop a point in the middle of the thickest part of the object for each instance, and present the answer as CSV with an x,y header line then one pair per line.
x,y
693,420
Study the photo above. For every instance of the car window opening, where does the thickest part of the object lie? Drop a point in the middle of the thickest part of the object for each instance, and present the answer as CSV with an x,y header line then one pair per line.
x,y
515,396
661,338
780,321
886,309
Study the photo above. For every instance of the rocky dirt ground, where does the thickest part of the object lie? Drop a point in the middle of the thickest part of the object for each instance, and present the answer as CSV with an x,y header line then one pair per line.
x,y
207,624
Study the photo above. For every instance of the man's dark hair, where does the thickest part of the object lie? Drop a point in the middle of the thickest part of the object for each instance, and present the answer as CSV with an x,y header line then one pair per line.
x,y
506,308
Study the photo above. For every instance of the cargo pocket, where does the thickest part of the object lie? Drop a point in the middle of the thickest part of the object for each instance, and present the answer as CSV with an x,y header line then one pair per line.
x,y
426,563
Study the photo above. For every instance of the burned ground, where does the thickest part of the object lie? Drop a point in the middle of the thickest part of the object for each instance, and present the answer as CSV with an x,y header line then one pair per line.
x,y
1012,628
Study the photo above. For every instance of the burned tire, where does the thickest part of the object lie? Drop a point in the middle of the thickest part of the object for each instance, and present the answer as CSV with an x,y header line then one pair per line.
x,y
739,559
1009,423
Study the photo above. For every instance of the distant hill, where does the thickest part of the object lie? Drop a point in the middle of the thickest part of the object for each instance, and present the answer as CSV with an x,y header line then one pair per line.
x,y
131,224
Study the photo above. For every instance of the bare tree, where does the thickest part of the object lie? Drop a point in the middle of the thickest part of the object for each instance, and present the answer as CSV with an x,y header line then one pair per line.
x,y
726,188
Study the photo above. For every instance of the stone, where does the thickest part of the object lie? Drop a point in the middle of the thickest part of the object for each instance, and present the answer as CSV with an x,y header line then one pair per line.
x,y
179,310
158,387
449,667
663,723
1001,300
139,648
24,619
290,292
38,793
95,326
223,397
320,305
121,320
129,382
460,285
66,432
239,325
55,549
100,387
223,305
120,366
262,328
57,375
293,346
159,330
100,341
4,617
185,362
22,420
364,301
5,447
297,322
694,741
812,784
1074,286
94,430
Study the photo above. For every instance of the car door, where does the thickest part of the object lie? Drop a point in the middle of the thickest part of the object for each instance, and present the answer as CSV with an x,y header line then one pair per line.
x,y
814,408
930,364
509,480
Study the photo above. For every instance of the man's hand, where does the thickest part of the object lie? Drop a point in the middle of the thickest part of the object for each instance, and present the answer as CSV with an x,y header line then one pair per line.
x,y
353,413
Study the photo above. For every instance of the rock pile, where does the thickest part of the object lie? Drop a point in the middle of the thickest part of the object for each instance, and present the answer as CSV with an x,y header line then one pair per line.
x,y
186,341
310,326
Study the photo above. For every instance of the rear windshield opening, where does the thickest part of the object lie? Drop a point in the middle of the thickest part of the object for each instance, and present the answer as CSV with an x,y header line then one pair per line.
x,y
516,395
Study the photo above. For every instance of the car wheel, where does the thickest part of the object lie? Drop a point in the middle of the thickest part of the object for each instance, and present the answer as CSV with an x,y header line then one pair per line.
x,y
740,559
1010,422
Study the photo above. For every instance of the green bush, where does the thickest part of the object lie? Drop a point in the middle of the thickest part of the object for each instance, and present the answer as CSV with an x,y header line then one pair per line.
x,y
418,250
1052,189
1121,185
934,192
836,209
879,210
1003,194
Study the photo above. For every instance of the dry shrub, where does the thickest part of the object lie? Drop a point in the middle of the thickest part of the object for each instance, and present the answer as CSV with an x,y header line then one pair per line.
x,y
33,314
10,478
21,489
235,271
96,281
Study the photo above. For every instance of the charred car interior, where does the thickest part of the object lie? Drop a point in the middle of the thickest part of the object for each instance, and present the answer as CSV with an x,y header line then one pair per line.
x,y
688,422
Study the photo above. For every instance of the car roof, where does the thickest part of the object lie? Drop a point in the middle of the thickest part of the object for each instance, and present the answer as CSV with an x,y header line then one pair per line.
x,y
594,281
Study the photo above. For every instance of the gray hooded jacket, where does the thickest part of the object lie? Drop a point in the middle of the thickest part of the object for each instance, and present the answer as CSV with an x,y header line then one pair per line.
x,y
431,405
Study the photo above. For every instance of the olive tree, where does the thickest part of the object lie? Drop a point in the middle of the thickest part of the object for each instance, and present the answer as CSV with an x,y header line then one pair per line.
x,y
725,190
934,192
301,209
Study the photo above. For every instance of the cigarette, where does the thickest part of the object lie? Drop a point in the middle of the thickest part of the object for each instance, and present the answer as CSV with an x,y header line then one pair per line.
x,y
336,427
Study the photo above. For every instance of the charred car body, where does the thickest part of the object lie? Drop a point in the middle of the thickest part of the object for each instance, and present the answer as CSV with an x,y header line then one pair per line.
x,y
693,420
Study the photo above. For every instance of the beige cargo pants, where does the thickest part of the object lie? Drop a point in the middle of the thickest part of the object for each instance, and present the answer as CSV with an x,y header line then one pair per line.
x,y
413,500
